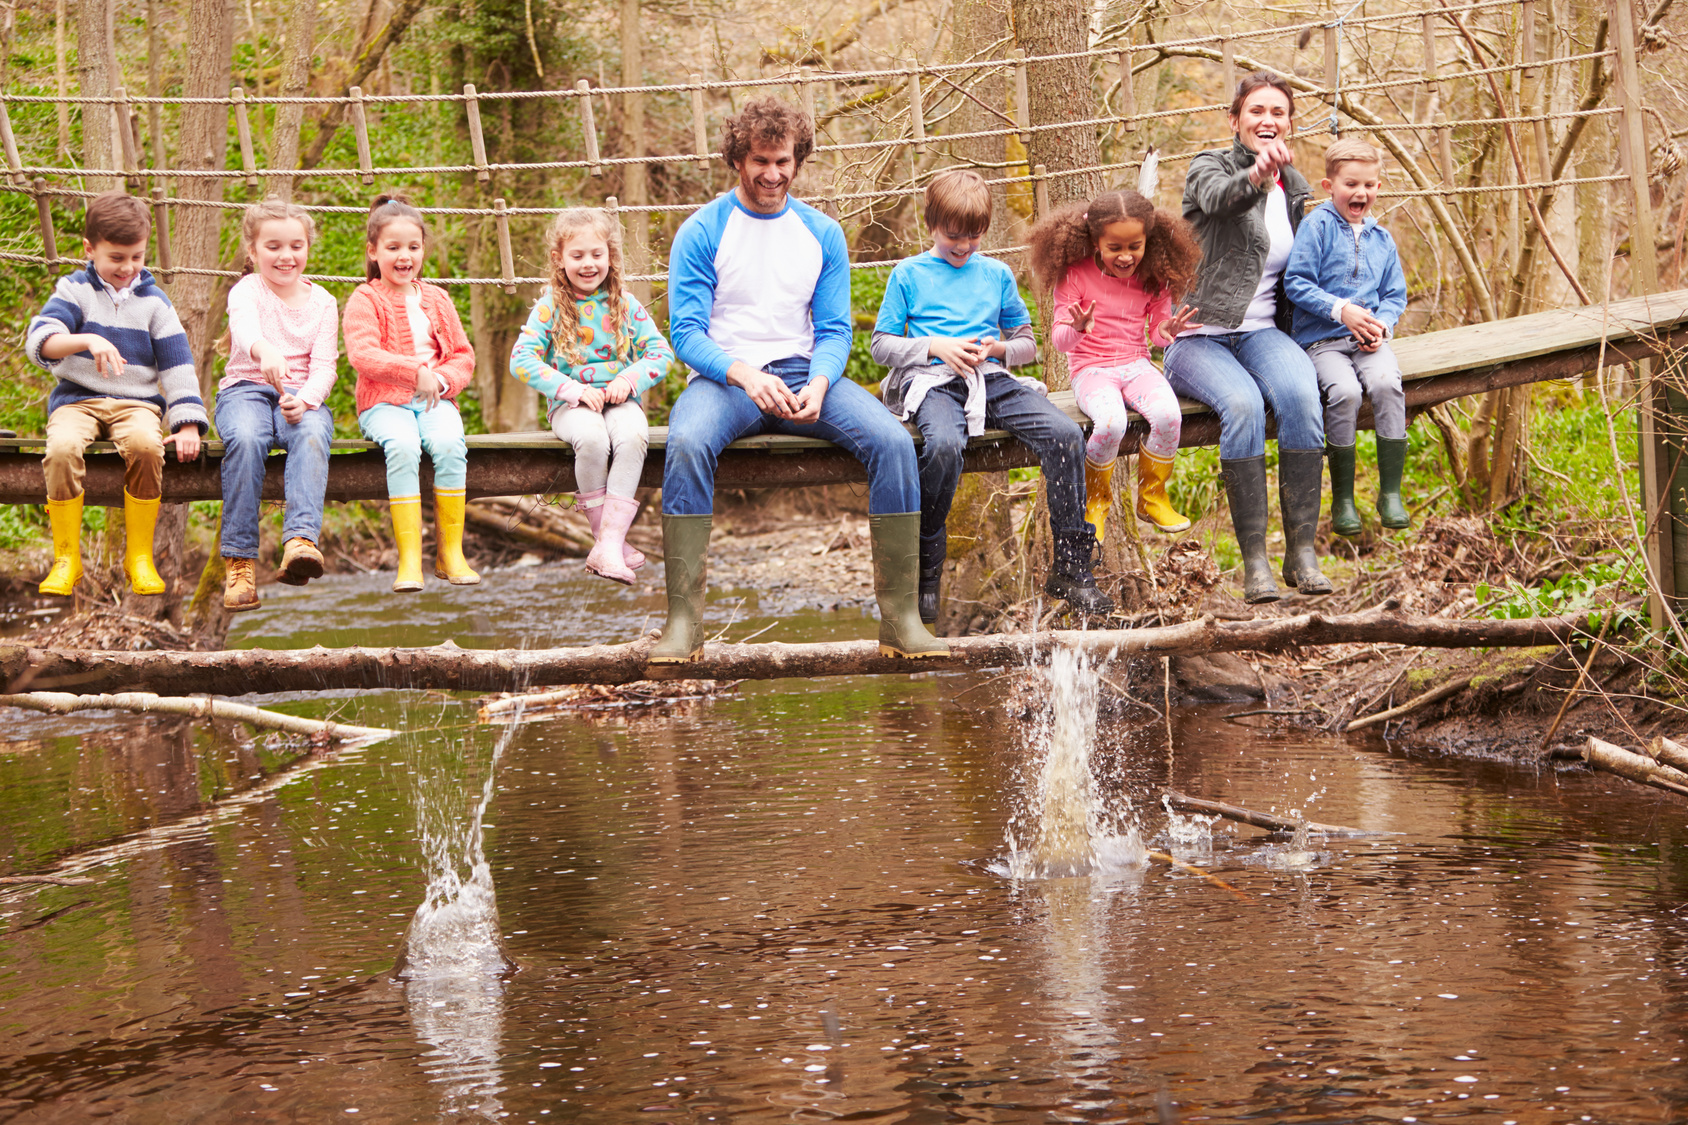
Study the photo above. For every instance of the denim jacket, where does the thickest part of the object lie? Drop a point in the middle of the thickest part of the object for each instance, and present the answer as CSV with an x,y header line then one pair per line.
x,y
1332,261
1229,216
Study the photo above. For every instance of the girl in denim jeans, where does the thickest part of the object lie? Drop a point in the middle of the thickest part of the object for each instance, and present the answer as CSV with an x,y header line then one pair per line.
x,y
282,345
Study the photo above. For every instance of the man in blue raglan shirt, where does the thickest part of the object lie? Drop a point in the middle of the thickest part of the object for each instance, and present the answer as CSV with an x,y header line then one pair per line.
x,y
759,310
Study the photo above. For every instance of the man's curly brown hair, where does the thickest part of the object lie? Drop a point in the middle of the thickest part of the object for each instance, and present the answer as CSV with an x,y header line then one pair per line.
x,y
767,121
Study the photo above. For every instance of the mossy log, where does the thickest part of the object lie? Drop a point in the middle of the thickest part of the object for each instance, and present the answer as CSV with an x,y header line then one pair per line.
x,y
448,667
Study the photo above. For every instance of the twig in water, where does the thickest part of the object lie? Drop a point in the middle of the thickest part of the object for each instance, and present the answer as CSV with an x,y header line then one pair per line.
x,y
1443,691
1198,872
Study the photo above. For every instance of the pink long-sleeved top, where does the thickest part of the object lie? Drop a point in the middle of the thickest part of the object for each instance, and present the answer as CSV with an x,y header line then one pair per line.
x,y
1124,319
309,336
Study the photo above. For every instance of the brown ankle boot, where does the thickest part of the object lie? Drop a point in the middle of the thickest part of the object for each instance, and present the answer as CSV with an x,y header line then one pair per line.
x,y
300,562
240,588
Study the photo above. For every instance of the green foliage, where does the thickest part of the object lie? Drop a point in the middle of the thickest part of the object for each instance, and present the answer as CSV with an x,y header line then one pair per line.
x,y
1592,590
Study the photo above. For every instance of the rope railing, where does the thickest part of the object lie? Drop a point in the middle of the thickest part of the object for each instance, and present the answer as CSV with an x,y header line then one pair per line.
x,y
805,76
913,122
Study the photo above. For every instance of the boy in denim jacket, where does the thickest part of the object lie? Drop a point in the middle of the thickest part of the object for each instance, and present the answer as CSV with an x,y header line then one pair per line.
x,y
1344,278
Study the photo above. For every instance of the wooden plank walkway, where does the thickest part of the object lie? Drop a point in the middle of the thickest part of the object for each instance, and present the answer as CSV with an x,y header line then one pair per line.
x,y
1438,366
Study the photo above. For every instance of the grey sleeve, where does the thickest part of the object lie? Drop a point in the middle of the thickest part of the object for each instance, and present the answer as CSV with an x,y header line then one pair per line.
x,y
897,351
1021,347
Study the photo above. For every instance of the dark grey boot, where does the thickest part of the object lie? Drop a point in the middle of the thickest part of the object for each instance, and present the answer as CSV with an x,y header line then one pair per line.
x,y
933,549
1071,578
1301,477
1245,491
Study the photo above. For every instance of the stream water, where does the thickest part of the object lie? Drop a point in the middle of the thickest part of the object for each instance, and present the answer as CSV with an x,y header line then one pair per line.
x,y
819,900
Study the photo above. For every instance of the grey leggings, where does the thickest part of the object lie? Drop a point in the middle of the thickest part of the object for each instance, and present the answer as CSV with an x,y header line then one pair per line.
x,y
1345,373
609,448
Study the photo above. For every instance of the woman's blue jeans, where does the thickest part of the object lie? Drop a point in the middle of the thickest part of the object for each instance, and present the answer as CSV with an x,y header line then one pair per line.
x,y
708,416
250,422
1242,374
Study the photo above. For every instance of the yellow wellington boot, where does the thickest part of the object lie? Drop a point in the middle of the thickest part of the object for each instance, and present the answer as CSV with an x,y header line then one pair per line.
x,y
139,519
1152,502
65,516
449,562
1098,494
407,533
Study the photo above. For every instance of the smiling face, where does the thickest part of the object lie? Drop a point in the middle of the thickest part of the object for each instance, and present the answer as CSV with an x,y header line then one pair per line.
x,y
397,252
586,262
1353,188
1120,248
765,175
1266,116
279,252
955,247
117,264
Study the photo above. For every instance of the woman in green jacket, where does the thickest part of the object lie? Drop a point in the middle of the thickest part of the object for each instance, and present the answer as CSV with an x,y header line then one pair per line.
x,y
1245,203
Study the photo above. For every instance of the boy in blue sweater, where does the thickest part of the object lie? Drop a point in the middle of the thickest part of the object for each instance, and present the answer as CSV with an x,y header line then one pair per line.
x,y
124,366
951,327
1344,278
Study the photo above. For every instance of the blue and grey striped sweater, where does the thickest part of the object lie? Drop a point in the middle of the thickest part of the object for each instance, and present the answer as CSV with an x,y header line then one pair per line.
x,y
158,364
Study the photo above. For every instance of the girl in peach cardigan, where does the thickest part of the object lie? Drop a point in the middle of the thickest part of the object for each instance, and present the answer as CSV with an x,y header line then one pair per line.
x,y
406,342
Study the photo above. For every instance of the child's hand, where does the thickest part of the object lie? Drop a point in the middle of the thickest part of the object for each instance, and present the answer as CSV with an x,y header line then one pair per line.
x,y
1182,321
427,387
960,356
1082,317
1371,347
271,364
994,348
292,408
186,441
108,361
592,399
618,391
1367,328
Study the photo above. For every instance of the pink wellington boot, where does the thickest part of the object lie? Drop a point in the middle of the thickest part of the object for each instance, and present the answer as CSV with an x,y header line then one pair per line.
x,y
592,503
606,558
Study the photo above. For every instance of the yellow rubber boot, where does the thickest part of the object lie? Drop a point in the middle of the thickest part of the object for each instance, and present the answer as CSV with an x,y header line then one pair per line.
x,y
449,562
139,519
1098,494
1152,502
407,533
65,516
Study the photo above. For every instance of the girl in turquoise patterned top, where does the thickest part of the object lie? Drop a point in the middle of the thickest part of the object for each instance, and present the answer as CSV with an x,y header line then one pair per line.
x,y
591,349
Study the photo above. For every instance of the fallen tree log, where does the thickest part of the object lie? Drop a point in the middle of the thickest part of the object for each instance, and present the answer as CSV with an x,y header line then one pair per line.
x,y
1634,767
1269,821
450,668
146,703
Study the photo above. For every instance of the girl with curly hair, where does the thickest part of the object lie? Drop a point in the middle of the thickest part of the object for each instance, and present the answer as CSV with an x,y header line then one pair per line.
x,y
1117,265
591,349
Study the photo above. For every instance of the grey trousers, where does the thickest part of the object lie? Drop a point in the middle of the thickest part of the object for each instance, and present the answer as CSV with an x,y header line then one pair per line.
x,y
1345,374
609,448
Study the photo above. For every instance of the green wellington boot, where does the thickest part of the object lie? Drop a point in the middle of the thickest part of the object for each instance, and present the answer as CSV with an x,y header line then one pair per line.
x,y
1301,475
1391,461
1245,491
896,583
1344,517
685,550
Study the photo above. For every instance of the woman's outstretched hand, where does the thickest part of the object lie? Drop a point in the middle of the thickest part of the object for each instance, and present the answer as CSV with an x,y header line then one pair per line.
x,y
1272,156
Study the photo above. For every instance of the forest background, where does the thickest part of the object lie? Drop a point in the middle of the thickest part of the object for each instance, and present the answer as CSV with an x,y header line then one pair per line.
x,y
1543,464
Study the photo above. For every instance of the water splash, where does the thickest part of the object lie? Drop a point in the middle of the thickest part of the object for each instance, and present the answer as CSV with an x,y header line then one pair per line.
x,y
453,960
1067,826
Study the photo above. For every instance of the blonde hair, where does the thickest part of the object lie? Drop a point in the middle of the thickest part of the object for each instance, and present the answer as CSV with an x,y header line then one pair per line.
x,y
565,326
252,222
1345,150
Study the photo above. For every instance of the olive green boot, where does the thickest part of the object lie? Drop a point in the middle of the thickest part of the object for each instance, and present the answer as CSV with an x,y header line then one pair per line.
x,y
685,550
896,583
1391,462
1344,517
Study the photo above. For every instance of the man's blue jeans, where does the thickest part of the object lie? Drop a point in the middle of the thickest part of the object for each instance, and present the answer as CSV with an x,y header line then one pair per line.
x,y
250,422
1055,438
710,415
1242,374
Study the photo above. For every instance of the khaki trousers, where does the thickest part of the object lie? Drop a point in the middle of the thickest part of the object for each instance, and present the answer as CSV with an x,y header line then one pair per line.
x,y
137,429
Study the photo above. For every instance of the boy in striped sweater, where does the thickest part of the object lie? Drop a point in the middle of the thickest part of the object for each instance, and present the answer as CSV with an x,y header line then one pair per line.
x,y
123,364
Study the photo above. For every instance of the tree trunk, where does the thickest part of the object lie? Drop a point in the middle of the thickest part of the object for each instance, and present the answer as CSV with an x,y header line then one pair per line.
x,y
1059,91
295,83
633,184
203,146
61,75
450,668
97,77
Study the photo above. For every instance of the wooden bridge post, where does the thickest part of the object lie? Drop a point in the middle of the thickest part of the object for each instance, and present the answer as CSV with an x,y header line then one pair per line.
x,y
477,139
588,127
1127,93
243,132
506,259
161,233
1022,96
1663,476
1227,62
360,131
917,112
44,216
14,166
700,134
